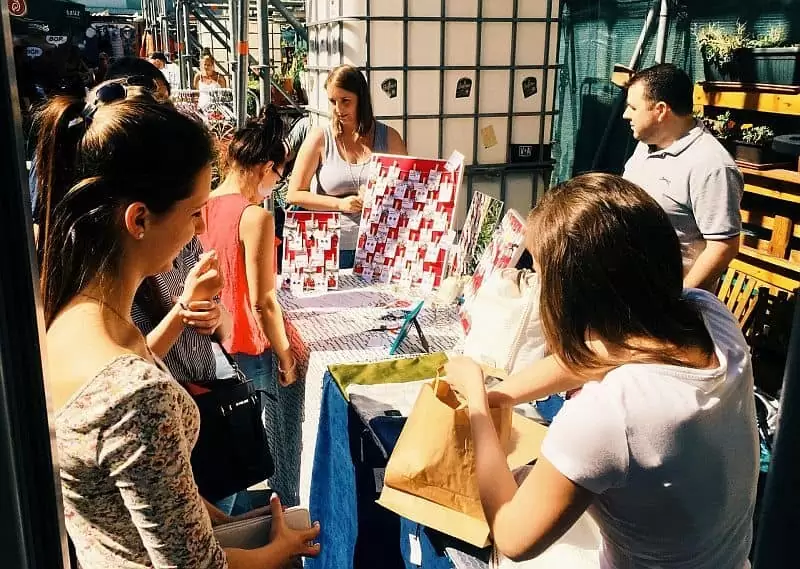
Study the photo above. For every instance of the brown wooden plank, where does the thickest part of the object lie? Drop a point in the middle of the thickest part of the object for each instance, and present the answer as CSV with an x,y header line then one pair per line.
x,y
760,219
781,174
736,291
775,194
725,288
781,103
745,299
781,234
776,280
756,254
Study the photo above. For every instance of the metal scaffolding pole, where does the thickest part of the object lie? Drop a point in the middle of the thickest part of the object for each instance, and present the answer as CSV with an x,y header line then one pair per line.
x,y
164,27
233,34
265,65
201,20
202,11
286,13
153,24
179,31
242,61
187,54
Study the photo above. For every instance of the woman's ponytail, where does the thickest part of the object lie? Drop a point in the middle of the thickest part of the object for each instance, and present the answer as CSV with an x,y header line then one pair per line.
x,y
60,130
259,141
79,242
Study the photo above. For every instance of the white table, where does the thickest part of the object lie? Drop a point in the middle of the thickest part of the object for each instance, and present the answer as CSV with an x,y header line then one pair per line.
x,y
333,328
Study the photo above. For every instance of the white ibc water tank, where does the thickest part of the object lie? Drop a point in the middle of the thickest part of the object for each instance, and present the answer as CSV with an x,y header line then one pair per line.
x,y
478,76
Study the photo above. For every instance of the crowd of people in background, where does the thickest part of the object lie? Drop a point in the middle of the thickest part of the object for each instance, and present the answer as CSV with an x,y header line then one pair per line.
x,y
145,268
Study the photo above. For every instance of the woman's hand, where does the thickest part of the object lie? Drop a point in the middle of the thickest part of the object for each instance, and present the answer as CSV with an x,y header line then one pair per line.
x,y
291,542
205,280
287,370
202,315
466,377
351,204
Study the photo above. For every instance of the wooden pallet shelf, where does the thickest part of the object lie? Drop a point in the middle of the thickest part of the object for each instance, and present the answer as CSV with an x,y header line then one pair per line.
x,y
774,194
767,258
780,174
783,100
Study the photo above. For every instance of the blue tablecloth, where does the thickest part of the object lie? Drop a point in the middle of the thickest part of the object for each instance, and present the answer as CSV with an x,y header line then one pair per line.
x,y
346,481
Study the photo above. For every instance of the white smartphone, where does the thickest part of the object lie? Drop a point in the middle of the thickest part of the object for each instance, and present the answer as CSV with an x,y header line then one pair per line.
x,y
254,533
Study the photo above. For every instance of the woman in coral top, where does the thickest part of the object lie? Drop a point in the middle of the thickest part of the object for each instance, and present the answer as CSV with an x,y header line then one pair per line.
x,y
243,235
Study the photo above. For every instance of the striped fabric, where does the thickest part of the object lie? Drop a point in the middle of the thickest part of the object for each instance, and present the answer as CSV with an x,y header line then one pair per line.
x,y
191,358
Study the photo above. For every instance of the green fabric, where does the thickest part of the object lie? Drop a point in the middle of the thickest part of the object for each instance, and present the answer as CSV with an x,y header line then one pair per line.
x,y
388,371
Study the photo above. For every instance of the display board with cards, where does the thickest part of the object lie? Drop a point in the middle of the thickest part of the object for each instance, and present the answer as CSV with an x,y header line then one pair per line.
x,y
406,224
311,252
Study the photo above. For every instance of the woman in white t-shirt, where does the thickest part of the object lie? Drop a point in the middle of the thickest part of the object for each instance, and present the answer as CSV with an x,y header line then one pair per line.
x,y
660,445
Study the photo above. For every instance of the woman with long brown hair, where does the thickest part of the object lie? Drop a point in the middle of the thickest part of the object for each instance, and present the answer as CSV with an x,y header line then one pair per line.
x,y
243,235
331,170
125,428
660,445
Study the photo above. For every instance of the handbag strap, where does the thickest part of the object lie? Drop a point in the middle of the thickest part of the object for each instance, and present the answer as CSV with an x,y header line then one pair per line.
x,y
225,353
237,371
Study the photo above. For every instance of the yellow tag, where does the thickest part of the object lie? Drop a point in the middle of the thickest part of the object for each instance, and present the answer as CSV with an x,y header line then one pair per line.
x,y
488,137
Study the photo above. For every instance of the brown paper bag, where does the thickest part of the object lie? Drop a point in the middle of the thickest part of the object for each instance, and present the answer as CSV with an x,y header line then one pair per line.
x,y
430,477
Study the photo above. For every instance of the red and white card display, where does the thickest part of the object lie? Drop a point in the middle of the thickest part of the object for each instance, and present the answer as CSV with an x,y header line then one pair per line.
x,y
405,231
311,252
504,251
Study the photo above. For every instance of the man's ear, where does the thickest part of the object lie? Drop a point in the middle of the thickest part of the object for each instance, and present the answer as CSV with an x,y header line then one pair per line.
x,y
662,109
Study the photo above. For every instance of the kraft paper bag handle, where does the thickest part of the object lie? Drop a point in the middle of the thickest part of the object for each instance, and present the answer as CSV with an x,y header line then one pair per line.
x,y
437,381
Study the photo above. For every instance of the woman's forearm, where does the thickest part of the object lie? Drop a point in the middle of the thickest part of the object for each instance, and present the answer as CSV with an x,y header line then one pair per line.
x,y
312,201
270,317
166,332
543,378
496,484
270,556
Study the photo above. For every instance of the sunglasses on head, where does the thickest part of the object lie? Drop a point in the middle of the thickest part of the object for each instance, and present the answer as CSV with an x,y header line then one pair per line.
x,y
116,90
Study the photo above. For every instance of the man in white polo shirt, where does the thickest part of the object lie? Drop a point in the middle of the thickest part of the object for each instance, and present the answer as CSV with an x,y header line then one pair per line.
x,y
686,170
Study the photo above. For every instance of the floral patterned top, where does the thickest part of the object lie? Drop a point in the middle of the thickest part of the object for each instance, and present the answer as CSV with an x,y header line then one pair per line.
x,y
130,500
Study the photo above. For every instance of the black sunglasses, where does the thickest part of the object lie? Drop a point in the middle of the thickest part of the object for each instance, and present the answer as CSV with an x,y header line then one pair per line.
x,y
116,90
282,175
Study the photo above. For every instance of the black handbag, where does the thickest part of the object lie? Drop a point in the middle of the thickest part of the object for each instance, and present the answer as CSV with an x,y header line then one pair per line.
x,y
232,451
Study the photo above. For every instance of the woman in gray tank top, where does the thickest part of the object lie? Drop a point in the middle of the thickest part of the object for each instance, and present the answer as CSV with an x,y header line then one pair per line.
x,y
331,170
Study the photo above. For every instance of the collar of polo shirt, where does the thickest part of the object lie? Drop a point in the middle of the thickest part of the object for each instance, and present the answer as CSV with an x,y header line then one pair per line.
x,y
681,144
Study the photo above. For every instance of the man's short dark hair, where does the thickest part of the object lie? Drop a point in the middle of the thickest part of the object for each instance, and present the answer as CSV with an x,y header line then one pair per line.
x,y
667,83
131,66
159,55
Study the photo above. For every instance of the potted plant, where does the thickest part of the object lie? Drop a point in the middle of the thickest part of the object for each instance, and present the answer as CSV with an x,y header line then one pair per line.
x,y
770,59
724,129
738,56
718,47
754,145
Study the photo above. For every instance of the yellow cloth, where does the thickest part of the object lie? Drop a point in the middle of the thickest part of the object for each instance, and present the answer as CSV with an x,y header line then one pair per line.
x,y
387,371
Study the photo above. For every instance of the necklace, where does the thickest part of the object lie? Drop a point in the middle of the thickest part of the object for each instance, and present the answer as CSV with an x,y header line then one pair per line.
x,y
121,318
356,180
